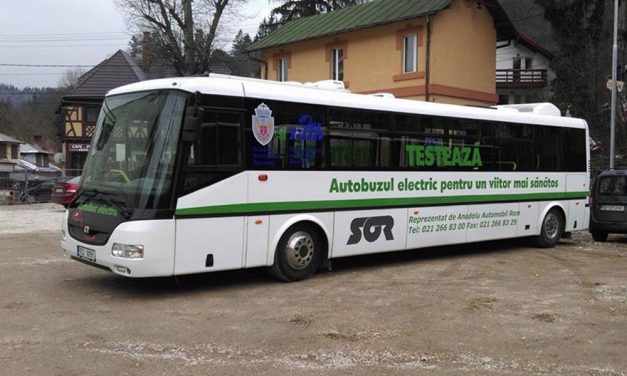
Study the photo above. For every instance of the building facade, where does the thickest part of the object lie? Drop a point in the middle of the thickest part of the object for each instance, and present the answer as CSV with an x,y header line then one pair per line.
x,y
81,105
433,50
523,73
9,157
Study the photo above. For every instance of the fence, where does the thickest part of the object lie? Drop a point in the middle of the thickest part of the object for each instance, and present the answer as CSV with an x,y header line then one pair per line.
x,y
9,193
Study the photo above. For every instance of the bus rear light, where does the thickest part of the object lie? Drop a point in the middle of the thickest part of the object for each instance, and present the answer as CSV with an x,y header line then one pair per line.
x,y
127,251
263,177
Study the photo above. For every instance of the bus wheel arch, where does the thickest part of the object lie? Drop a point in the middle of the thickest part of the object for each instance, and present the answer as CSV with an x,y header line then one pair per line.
x,y
298,249
552,226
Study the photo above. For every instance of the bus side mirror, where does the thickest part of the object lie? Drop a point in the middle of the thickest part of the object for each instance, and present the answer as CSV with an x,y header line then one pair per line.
x,y
191,124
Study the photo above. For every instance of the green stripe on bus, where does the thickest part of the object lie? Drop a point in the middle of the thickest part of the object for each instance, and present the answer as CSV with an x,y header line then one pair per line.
x,y
373,203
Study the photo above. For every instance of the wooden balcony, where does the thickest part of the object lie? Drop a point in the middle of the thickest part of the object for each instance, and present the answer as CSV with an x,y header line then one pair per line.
x,y
521,78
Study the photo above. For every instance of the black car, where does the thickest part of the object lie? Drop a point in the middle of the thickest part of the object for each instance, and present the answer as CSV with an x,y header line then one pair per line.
x,y
41,192
608,201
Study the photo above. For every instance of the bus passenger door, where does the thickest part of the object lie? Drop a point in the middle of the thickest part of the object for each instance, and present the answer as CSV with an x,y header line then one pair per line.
x,y
209,237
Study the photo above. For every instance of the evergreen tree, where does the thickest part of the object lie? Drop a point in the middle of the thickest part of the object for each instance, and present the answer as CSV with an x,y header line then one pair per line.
x,y
291,10
582,62
242,63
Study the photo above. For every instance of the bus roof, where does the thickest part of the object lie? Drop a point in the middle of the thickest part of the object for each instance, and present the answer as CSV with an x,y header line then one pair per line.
x,y
296,92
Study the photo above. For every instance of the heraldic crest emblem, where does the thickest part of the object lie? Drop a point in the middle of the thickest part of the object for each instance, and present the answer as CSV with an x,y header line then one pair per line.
x,y
263,124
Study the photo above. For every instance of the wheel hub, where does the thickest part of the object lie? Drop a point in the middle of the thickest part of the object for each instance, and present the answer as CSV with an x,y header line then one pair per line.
x,y
299,250
551,226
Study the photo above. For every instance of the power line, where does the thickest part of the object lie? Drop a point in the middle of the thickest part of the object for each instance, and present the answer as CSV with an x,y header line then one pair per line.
x,y
61,34
31,74
46,65
58,45
12,40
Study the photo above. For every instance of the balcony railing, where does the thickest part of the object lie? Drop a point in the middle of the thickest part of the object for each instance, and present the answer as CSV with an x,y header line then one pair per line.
x,y
520,78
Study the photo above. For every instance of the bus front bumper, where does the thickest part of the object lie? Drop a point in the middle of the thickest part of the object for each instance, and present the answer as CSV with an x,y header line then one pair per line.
x,y
155,236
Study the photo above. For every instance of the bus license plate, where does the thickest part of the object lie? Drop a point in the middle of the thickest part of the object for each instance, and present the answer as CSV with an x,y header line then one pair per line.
x,y
614,208
86,254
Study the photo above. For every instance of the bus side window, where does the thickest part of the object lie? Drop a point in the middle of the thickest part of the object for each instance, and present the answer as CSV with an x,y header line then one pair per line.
x,y
549,141
359,139
217,153
575,149
219,140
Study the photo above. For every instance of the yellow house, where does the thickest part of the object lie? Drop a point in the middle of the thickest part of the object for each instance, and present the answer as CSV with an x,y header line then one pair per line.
x,y
432,50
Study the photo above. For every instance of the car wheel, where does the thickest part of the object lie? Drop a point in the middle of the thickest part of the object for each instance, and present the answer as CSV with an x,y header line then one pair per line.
x,y
599,236
27,199
298,254
551,229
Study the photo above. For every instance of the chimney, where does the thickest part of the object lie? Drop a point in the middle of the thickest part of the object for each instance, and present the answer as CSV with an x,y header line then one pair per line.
x,y
146,52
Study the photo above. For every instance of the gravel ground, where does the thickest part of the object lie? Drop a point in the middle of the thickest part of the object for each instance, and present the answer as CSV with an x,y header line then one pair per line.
x,y
483,309
35,218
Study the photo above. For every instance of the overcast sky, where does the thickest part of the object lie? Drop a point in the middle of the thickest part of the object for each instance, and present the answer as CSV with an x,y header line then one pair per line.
x,y
74,32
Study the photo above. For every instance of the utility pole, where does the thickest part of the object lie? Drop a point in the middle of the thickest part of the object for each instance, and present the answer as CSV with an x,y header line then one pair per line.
x,y
614,70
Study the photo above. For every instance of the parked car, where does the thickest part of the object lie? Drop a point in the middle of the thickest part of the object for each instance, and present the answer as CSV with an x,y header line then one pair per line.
x,y
40,192
64,192
608,201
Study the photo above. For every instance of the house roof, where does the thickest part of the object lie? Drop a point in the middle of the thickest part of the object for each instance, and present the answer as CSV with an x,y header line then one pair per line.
x,y
23,165
120,69
375,13
6,139
533,45
32,149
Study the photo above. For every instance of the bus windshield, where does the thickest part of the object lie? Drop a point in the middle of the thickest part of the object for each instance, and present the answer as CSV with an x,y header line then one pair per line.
x,y
133,151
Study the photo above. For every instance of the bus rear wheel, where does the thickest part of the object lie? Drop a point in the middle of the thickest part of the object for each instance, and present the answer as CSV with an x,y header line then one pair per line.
x,y
298,254
551,230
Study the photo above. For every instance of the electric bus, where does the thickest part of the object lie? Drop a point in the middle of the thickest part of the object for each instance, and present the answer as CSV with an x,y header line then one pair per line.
x,y
201,174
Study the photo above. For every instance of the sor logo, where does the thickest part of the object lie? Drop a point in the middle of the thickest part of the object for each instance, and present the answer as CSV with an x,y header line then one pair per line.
x,y
371,228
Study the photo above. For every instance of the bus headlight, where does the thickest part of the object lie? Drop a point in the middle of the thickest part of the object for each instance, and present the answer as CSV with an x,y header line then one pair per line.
x,y
128,251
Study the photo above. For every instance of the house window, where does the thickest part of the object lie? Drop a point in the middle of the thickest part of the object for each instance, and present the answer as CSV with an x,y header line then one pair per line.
x,y
281,69
15,151
517,65
528,63
517,62
3,151
91,115
409,53
337,64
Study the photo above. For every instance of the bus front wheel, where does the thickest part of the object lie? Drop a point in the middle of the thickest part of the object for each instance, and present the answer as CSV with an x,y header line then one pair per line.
x,y
551,229
298,254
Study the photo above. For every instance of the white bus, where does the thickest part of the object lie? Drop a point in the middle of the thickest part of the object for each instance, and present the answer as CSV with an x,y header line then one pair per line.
x,y
193,175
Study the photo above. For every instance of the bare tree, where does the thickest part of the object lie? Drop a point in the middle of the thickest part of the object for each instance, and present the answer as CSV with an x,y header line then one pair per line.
x,y
185,29
70,78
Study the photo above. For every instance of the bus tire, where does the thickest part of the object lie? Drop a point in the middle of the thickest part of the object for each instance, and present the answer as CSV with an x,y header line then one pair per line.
x,y
599,236
298,254
551,230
